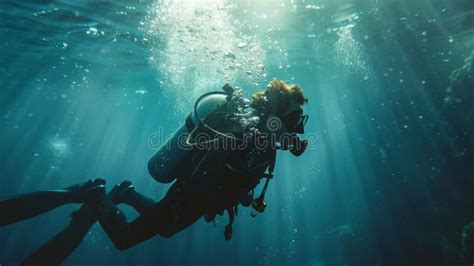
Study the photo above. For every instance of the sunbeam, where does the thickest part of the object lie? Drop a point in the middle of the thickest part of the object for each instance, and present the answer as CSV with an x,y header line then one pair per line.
x,y
91,88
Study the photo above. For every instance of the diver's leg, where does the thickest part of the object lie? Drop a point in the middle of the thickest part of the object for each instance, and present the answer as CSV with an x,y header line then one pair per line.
x,y
125,193
169,216
140,203
25,206
61,246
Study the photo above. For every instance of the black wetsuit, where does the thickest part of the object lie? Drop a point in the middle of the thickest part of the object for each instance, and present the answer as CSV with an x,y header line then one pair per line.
x,y
211,188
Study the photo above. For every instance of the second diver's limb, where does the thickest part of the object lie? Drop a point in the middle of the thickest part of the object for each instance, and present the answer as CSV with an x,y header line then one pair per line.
x,y
25,206
170,215
61,246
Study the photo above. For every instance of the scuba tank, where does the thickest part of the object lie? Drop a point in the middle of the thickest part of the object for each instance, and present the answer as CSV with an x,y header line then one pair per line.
x,y
174,154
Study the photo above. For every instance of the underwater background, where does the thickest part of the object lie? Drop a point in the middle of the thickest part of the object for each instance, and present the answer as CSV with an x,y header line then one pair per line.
x,y
388,179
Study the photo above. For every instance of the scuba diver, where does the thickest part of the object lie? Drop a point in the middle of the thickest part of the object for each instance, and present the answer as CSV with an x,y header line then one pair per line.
x,y
215,160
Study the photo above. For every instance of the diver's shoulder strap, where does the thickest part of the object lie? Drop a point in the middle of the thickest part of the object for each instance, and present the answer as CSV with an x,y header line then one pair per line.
x,y
271,166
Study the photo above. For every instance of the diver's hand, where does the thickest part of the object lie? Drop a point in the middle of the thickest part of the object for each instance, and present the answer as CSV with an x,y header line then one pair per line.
x,y
299,148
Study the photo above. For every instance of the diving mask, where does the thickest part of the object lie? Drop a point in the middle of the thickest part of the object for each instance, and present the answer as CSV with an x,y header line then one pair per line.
x,y
295,120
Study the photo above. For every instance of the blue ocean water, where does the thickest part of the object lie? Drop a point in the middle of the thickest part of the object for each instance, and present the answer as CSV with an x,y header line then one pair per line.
x,y
388,179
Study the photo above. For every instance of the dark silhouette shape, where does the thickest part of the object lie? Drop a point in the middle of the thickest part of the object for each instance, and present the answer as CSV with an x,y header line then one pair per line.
x,y
207,181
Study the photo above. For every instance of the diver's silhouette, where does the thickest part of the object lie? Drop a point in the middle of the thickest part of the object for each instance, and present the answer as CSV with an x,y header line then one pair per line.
x,y
216,159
